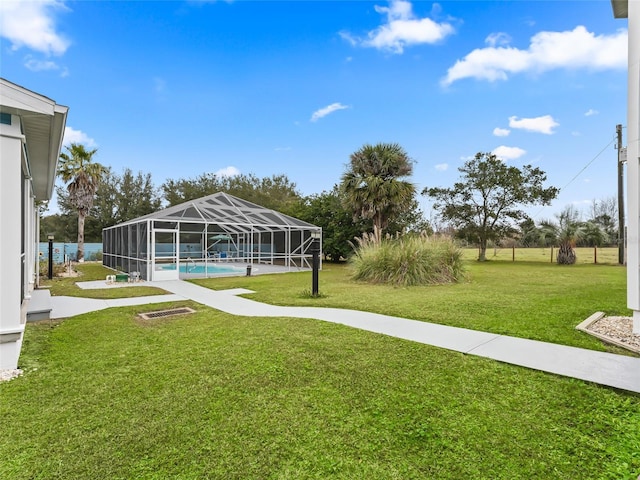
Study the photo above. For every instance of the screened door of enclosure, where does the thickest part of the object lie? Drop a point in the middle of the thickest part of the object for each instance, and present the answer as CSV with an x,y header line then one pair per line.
x,y
165,255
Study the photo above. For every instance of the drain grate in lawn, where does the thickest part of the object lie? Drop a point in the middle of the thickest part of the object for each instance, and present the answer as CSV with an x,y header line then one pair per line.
x,y
166,313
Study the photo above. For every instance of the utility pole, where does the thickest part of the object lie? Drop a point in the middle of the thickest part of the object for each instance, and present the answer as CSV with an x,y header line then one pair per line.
x,y
621,235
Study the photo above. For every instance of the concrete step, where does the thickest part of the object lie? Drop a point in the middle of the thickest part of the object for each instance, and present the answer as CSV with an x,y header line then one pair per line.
x,y
39,307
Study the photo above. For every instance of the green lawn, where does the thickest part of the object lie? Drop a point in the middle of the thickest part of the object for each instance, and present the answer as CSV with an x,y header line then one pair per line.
x,y
95,271
584,255
210,395
539,301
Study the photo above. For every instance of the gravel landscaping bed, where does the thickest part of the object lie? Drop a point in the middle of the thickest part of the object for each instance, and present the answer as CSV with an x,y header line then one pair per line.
x,y
619,329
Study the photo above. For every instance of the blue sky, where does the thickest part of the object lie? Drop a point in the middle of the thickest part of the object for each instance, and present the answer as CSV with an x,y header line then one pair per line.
x,y
180,88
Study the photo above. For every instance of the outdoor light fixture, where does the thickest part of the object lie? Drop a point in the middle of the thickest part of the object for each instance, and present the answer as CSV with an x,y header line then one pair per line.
x,y
316,235
50,271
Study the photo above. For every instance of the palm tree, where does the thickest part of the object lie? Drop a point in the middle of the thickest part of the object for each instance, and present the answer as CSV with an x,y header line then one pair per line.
x,y
546,233
593,234
372,187
567,232
82,178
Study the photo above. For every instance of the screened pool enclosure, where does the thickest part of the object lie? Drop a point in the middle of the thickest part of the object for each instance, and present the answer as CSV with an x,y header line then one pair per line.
x,y
213,235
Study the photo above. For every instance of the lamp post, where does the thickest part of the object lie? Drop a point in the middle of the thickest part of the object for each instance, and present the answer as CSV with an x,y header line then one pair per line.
x,y
50,271
316,235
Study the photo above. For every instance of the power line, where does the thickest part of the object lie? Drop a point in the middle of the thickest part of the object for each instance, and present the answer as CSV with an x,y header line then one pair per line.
x,y
590,162
582,170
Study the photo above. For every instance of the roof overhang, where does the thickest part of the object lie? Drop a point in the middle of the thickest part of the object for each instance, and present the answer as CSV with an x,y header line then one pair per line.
x,y
620,8
43,122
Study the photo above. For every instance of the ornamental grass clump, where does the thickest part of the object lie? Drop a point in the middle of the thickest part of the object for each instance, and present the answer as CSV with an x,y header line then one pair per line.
x,y
407,260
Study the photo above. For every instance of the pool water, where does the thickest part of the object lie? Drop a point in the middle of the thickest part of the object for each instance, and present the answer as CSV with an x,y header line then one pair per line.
x,y
208,269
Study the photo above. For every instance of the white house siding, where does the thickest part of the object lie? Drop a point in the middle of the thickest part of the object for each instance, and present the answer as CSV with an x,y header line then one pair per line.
x,y
630,9
633,165
31,130
11,179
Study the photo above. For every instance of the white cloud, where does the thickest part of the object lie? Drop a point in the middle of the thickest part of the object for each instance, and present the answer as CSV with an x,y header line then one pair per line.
x,y
323,112
441,167
544,124
499,38
576,134
402,28
501,132
346,36
573,49
227,172
591,112
283,149
71,135
31,24
36,65
508,153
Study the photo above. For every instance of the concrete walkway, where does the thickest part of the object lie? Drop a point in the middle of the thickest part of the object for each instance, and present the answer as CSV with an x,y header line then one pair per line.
x,y
604,368
63,307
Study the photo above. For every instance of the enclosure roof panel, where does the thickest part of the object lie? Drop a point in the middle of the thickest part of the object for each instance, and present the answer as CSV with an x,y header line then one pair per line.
x,y
224,209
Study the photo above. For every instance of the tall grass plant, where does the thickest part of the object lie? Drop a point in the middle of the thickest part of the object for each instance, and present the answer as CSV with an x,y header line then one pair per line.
x,y
408,260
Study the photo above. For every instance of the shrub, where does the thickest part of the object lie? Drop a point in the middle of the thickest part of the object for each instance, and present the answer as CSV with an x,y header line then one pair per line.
x,y
407,260
57,269
94,256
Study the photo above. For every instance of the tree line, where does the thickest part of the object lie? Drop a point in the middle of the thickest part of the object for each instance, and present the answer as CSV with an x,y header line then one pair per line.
x,y
375,196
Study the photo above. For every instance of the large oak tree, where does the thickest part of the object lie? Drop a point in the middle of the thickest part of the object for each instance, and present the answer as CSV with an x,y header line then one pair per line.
x,y
486,203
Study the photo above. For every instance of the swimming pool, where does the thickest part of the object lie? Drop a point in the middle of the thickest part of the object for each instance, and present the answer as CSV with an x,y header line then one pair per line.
x,y
209,269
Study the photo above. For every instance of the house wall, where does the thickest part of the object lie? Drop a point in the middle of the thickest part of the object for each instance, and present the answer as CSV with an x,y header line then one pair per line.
x,y
633,166
31,131
12,260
